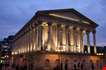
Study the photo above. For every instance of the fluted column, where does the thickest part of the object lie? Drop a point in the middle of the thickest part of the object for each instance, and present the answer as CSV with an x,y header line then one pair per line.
x,y
40,37
21,44
37,38
72,39
67,39
88,41
94,41
26,41
49,37
79,40
33,39
63,38
30,39
75,35
82,43
54,36
58,37
30,42
44,36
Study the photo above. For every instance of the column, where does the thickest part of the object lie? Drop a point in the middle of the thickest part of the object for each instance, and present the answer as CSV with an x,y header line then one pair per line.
x,y
63,38
94,40
72,39
79,40
75,35
25,41
44,35
37,38
33,39
68,39
40,37
21,43
49,37
58,37
30,40
88,41
34,42
82,43
54,36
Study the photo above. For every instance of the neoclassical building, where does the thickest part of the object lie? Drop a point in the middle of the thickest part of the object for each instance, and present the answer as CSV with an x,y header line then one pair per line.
x,y
60,30
57,34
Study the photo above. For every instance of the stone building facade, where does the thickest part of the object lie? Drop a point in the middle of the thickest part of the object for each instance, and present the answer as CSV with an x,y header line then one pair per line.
x,y
56,34
56,30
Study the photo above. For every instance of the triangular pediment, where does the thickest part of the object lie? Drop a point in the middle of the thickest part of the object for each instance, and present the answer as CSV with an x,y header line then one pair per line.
x,y
69,14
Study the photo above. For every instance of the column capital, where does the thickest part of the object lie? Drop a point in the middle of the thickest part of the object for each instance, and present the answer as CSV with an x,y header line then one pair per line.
x,y
67,26
77,28
71,27
39,21
58,25
87,32
74,28
94,31
35,25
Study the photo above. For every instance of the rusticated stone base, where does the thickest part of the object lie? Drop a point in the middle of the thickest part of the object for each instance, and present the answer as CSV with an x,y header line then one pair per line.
x,y
39,59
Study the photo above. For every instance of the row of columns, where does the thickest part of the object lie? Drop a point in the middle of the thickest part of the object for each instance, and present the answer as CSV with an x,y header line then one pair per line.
x,y
61,38
55,37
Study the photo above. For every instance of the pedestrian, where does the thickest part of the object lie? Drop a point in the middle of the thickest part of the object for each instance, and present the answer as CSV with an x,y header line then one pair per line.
x,y
57,65
79,66
0,66
66,64
75,65
24,64
92,65
82,68
17,67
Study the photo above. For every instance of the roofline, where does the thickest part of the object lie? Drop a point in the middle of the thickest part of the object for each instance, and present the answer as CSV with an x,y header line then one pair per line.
x,y
55,10
67,10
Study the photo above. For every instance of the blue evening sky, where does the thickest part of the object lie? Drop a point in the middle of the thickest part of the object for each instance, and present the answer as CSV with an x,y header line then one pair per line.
x,y
15,13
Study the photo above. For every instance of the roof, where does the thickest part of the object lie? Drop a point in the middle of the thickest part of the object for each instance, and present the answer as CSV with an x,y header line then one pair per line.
x,y
66,13
70,13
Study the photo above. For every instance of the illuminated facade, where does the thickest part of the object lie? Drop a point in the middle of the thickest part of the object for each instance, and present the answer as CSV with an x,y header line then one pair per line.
x,y
60,30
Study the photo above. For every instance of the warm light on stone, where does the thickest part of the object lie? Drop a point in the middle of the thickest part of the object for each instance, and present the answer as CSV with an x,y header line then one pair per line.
x,y
46,34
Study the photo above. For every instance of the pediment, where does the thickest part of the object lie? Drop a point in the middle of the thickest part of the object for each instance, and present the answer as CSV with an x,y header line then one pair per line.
x,y
69,14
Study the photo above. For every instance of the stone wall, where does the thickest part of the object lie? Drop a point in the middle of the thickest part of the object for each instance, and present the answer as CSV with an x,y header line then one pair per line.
x,y
39,60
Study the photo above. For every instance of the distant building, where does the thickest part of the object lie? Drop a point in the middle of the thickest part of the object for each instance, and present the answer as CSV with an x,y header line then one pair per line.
x,y
5,46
